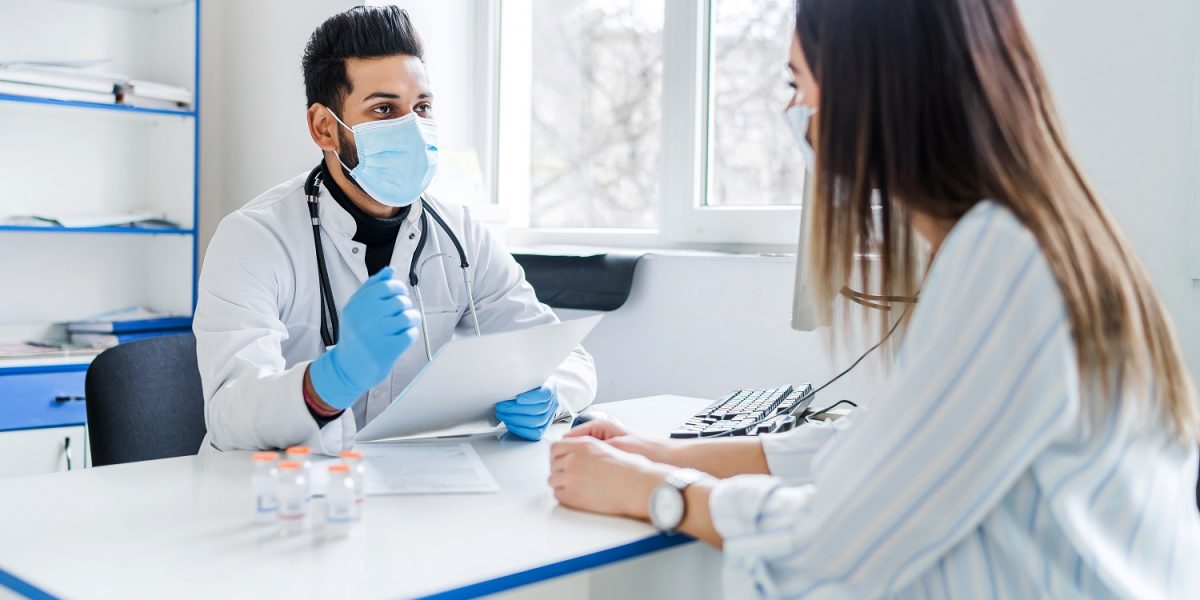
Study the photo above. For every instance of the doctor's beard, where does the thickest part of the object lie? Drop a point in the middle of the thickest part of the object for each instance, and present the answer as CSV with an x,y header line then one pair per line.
x,y
347,151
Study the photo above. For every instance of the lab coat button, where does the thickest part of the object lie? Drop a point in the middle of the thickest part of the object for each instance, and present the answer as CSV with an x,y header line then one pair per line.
x,y
354,250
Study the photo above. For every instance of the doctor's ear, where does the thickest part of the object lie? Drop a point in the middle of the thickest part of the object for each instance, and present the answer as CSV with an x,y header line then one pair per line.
x,y
322,127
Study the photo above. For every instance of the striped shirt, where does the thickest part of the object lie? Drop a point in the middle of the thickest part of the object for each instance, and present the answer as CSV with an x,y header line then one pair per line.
x,y
975,473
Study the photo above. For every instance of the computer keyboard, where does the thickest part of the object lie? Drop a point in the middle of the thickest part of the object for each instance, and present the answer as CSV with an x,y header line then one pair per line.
x,y
749,412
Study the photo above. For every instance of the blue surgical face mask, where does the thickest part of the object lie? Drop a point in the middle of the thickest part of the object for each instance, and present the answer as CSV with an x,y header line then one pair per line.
x,y
798,117
397,158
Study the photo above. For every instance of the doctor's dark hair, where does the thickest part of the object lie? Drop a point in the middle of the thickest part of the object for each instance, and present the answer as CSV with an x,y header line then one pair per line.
x,y
361,32
931,106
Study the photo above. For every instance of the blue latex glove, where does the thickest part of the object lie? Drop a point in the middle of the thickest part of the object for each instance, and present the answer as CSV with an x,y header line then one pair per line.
x,y
529,414
377,325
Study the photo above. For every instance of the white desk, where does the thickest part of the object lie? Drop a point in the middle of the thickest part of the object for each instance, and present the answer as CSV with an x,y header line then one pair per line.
x,y
181,528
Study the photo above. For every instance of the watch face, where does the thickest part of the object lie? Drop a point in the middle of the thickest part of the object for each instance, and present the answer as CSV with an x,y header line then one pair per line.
x,y
666,507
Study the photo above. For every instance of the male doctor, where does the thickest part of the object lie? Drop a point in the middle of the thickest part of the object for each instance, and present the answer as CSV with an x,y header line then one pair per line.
x,y
287,360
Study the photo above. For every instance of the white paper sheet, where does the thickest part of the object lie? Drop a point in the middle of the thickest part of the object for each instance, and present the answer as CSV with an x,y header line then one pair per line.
x,y
469,375
472,429
409,468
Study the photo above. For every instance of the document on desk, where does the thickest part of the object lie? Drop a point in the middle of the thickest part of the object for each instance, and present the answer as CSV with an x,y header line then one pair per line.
x,y
410,468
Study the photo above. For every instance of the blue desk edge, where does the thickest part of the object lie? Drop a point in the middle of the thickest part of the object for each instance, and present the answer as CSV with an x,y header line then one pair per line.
x,y
608,556
491,586
22,588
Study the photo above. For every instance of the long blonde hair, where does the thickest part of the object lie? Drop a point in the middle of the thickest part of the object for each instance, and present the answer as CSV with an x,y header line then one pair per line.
x,y
936,105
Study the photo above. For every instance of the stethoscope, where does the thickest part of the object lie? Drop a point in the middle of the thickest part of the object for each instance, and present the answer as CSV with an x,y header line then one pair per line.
x,y
329,317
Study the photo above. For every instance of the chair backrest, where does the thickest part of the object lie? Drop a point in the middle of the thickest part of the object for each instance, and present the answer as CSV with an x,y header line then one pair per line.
x,y
145,401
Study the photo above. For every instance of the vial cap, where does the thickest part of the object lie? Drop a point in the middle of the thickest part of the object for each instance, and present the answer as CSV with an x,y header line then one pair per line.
x,y
265,456
339,469
288,465
305,450
351,454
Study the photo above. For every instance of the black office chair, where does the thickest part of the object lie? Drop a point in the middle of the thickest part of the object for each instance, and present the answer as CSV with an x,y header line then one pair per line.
x,y
144,401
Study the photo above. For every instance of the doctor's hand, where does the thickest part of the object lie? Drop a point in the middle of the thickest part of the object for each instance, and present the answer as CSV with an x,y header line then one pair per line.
x,y
377,325
529,414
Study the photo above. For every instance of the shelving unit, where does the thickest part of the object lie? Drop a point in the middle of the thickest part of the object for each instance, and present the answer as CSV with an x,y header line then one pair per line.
x,y
116,230
96,105
68,157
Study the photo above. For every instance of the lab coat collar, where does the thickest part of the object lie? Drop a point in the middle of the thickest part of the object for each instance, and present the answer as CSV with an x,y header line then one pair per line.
x,y
338,221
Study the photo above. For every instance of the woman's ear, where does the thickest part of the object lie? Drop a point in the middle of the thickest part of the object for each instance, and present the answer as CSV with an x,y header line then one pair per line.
x,y
323,127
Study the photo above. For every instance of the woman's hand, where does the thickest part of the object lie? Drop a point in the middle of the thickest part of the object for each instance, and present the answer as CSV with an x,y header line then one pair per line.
x,y
659,451
591,475
611,431
601,429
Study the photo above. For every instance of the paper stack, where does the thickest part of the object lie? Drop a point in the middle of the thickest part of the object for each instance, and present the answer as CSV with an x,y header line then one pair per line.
x,y
126,325
155,95
141,219
75,82
42,350
58,83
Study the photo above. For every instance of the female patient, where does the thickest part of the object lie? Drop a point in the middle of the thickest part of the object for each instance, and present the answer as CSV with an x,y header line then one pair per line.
x,y
1038,436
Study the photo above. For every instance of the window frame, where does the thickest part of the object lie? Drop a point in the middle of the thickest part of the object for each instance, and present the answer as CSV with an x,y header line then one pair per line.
x,y
684,219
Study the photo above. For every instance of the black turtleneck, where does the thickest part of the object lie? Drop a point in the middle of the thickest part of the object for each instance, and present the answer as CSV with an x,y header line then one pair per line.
x,y
378,235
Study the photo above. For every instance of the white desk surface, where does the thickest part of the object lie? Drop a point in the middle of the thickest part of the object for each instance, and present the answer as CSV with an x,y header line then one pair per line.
x,y
181,527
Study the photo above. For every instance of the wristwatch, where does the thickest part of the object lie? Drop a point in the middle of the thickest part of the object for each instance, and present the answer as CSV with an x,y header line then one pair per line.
x,y
667,505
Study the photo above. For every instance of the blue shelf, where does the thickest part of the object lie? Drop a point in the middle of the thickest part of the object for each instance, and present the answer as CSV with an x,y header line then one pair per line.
x,y
97,105
49,367
118,230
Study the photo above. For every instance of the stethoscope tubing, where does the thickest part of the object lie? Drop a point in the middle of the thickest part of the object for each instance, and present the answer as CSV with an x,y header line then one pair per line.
x,y
329,318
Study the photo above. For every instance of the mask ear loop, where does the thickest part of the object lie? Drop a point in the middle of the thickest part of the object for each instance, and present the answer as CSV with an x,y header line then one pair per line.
x,y
338,155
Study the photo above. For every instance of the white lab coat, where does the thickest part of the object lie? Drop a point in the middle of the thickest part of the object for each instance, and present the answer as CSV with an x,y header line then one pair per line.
x,y
258,322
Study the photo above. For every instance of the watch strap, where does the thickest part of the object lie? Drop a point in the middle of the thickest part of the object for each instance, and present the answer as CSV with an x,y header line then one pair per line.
x,y
680,479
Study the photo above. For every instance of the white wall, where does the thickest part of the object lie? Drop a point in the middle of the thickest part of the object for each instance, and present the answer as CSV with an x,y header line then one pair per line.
x,y
705,325
1124,76
253,129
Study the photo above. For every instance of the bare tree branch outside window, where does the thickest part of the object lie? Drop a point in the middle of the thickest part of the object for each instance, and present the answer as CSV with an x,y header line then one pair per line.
x,y
596,130
754,158
597,113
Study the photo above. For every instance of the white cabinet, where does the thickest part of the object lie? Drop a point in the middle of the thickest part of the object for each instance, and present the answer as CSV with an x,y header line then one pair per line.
x,y
37,451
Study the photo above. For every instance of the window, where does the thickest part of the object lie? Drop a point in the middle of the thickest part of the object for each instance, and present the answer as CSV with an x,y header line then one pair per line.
x,y
749,42
596,114
646,122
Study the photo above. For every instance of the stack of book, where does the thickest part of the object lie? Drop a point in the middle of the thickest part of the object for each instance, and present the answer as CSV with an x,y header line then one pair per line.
x,y
126,325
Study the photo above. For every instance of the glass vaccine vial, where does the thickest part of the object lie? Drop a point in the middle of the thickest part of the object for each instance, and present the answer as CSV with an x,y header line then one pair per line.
x,y
358,471
293,501
339,501
302,455
264,484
